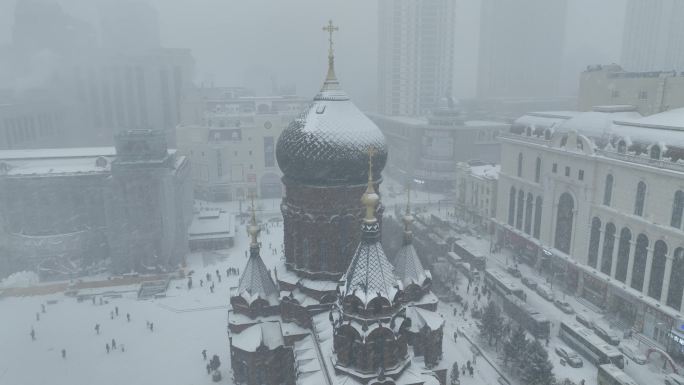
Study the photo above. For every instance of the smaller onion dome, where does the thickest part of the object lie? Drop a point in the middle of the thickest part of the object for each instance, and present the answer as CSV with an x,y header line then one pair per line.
x,y
408,267
370,274
256,281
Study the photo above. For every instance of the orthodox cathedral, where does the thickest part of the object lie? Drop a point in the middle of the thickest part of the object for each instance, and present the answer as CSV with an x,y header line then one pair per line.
x,y
335,310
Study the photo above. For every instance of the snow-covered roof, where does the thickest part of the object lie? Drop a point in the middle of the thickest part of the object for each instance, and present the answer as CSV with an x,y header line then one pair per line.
x,y
407,266
56,166
486,171
421,317
52,153
370,274
268,334
256,281
211,223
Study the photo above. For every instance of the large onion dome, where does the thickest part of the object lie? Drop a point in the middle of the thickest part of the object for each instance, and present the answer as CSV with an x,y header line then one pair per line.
x,y
329,142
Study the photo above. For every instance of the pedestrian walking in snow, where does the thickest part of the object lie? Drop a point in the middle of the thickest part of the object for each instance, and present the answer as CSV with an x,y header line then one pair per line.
x,y
189,283
111,315
128,317
42,307
64,353
208,277
107,348
201,283
208,369
116,309
100,300
204,354
33,335
93,300
228,272
97,328
218,275
219,278
113,344
151,326
123,348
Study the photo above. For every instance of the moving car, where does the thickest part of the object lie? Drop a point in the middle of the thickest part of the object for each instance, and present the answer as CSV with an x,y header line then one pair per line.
x,y
529,282
513,270
674,379
633,354
564,306
572,358
545,292
607,336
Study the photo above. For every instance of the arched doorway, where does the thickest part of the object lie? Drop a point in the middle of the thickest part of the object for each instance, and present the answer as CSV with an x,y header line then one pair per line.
x,y
564,219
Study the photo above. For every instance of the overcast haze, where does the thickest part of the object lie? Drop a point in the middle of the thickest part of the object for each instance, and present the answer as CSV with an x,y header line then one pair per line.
x,y
247,42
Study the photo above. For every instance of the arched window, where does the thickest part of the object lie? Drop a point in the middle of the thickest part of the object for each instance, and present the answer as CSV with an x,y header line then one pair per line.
x,y
520,164
640,198
674,295
655,151
529,205
639,267
537,170
511,207
677,209
566,206
519,212
608,245
623,255
655,283
594,238
537,217
608,190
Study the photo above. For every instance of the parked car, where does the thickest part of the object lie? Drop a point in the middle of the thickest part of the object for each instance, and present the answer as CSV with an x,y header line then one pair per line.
x,y
513,270
633,354
529,282
607,336
585,321
564,306
674,379
545,292
572,358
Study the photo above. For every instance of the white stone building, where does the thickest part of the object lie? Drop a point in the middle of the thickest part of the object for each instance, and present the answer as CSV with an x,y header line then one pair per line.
x,y
475,193
596,199
232,149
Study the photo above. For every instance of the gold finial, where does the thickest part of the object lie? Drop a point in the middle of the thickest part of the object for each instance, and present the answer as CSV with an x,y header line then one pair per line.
x,y
370,198
253,228
330,28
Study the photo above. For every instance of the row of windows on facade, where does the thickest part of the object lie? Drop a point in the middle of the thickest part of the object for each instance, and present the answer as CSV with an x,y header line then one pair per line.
x,y
29,129
538,166
619,269
520,211
640,199
641,95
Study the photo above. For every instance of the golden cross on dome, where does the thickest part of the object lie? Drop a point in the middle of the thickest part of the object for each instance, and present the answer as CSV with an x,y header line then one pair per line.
x,y
330,28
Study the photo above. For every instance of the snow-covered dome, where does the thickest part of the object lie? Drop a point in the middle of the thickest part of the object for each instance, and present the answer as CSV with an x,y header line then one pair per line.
x,y
328,143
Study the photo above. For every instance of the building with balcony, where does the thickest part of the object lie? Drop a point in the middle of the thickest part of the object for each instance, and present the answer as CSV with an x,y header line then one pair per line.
x,y
426,150
596,199
232,145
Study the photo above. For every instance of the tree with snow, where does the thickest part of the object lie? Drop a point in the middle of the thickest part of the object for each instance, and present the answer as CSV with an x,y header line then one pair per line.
x,y
492,323
515,346
536,367
454,374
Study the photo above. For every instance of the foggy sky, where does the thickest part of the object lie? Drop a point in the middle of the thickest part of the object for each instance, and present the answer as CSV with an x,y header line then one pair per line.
x,y
246,42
